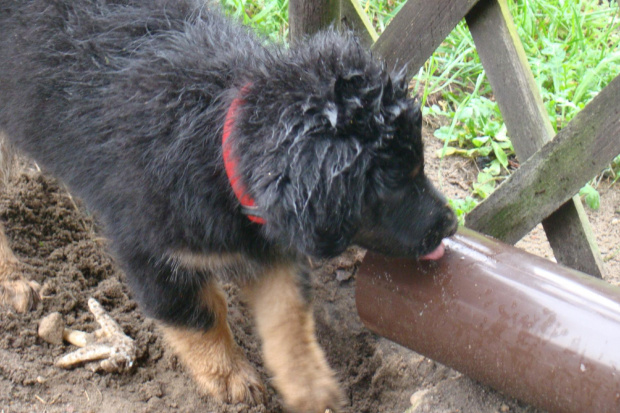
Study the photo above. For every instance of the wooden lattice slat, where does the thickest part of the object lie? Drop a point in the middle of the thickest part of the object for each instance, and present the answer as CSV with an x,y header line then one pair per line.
x,y
353,17
559,169
503,57
418,29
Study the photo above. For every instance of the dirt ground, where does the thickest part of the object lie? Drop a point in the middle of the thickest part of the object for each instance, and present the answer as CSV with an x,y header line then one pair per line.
x,y
65,254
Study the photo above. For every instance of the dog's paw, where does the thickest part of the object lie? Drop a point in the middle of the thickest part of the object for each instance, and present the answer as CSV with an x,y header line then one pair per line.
x,y
310,386
240,384
19,293
313,394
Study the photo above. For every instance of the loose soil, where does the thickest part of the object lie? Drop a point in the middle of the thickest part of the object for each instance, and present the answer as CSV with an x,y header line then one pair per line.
x,y
61,245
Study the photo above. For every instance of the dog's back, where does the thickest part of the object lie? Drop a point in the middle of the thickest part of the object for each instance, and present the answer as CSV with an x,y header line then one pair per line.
x,y
99,93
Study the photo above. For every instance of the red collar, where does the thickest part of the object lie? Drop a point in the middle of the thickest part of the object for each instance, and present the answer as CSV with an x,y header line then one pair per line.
x,y
231,162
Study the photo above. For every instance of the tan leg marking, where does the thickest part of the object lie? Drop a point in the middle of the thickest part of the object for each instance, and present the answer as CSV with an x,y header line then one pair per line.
x,y
292,354
15,289
217,364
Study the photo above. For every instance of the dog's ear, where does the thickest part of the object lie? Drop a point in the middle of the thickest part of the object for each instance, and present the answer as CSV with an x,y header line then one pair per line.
x,y
356,98
411,116
351,88
395,90
347,85
371,105
409,126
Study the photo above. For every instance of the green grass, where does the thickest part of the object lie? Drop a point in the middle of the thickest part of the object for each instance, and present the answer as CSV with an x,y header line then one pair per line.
x,y
572,48
268,17
381,12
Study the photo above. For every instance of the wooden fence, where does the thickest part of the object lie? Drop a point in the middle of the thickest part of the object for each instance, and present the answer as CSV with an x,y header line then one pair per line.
x,y
552,169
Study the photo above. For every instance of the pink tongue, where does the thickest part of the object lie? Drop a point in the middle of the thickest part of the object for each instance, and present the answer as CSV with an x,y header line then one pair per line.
x,y
436,254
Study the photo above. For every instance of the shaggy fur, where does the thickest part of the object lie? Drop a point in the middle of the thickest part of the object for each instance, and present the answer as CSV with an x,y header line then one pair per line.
x,y
125,102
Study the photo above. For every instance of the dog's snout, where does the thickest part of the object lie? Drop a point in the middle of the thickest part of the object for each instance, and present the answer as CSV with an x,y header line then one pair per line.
x,y
450,222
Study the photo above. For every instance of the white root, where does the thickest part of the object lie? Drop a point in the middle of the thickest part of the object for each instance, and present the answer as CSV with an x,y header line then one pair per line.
x,y
109,344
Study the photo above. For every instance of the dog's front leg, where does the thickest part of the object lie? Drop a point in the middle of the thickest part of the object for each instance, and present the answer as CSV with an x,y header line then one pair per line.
x,y
215,361
185,297
285,324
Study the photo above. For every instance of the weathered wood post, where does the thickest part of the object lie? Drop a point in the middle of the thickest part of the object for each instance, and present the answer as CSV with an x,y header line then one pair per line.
x,y
309,16
548,178
418,29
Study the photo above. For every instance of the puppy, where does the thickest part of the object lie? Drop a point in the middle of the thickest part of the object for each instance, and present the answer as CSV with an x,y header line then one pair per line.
x,y
209,154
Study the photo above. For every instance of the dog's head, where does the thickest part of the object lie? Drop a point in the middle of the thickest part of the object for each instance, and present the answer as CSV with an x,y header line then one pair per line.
x,y
331,150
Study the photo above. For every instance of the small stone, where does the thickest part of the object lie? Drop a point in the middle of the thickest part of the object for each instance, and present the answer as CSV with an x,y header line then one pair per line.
x,y
51,328
151,389
343,275
417,399
155,404
504,408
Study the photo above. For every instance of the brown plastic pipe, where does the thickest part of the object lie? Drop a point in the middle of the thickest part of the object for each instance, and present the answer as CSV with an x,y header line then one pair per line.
x,y
532,329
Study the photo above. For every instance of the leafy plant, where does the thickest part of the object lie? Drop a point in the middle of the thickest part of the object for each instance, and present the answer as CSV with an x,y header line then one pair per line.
x,y
614,169
462,207
572,48
591,196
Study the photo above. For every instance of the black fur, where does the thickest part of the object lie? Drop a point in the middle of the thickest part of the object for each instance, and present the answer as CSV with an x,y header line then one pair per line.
x,y
125,102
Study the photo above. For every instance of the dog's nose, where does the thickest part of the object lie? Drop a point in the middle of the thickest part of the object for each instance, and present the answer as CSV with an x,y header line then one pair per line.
x,y
451,223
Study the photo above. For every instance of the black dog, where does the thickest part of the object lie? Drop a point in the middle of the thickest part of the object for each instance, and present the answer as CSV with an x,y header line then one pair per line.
x,y
208,154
